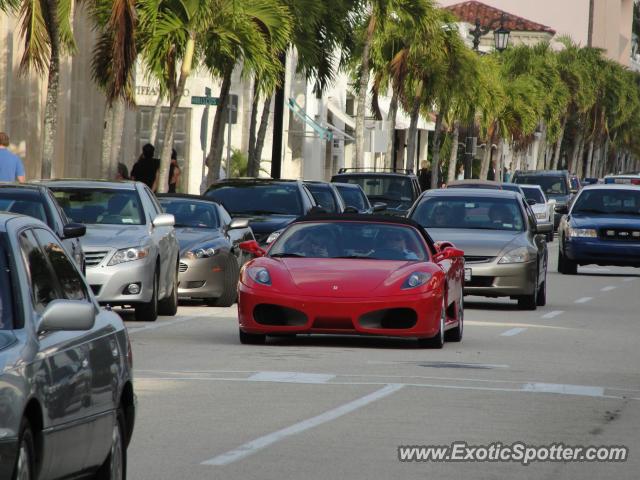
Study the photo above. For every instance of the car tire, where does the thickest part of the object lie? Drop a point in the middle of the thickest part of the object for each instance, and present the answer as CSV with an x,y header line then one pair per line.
x,y
115,465
529,302
541,300
455,334
437,341
169,305
550,237
566,266
230,284
148,312
252,338
25,467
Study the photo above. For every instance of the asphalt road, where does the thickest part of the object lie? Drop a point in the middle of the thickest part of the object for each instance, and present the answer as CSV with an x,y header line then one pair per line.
x,y
339,407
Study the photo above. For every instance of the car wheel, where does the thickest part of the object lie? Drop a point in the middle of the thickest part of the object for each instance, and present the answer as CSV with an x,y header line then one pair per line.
x,y
550,237
455,334
230,284
541,299
566,266
169,305
26,462
148,312
529,302
252,338
437,341
115,466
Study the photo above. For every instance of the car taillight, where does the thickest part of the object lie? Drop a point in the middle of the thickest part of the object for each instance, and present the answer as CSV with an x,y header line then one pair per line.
x,y
635,181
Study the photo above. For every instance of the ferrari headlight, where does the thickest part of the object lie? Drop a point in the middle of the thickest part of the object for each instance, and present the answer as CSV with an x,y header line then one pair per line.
x,y
201,253
541,215
272,238
416,279
583,233
129,255
519,255
259,275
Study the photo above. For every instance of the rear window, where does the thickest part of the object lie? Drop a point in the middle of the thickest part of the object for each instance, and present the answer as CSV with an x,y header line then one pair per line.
x,y
324,197
191,213
395,191
551,185
258,199
30,204
101,206
6,292
353,197
533,194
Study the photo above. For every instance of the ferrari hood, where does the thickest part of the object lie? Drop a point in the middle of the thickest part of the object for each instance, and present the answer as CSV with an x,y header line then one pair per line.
x,y
339,278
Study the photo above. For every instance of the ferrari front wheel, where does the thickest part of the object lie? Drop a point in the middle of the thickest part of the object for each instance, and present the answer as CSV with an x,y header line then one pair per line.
x,y
455,334
252,338
437,341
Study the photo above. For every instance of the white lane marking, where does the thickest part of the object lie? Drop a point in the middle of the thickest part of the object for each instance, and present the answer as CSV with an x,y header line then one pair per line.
x,y
259,443
477,323
552,314
632,279
583,390
608,288
291,377
584,300
453,364
512,332
595,270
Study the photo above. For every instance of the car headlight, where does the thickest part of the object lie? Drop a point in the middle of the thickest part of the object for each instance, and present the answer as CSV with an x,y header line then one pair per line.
x,y
416,279
583,233
201,253
272,238
519,255
259,275
541,215
129,255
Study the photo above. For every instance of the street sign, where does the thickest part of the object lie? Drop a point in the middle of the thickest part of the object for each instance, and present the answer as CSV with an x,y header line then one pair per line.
x,y
204,100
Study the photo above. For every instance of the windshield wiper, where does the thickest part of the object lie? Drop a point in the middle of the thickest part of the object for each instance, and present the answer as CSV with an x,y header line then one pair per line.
x,y
263,212
287,255
365,257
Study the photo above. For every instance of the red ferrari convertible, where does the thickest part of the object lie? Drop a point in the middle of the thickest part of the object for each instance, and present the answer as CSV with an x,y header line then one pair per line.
x,y
353,274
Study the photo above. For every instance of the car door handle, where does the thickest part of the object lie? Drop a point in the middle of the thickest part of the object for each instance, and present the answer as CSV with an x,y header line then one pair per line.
x,y
85,363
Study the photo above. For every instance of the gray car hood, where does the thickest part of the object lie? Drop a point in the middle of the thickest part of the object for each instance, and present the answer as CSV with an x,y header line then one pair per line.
x,y
7,338
191,238
486,243
115,236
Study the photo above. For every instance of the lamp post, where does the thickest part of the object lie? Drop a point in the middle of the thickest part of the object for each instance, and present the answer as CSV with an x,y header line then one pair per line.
x,y
501,41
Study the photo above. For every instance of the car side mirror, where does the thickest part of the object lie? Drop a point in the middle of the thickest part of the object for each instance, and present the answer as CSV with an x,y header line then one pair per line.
x,y
443,245
544,228
563,209
379,207
67,315
448,253
74,230
238,223
164,220
252,247
532,201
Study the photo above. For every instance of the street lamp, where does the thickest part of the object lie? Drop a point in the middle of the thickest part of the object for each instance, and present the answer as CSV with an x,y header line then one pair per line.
x,y
500,36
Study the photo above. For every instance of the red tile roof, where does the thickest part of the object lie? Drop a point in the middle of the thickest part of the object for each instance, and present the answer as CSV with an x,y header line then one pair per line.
x,y
490,17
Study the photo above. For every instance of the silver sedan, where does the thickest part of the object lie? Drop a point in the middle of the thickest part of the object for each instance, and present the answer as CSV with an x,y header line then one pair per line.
x,y
67,403
130,246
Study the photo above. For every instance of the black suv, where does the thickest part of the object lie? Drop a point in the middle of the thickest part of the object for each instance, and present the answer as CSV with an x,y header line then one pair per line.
x,y
556,184
398,188
269,204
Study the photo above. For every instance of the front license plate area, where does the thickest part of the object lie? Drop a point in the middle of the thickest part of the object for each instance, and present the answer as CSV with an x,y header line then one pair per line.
x,y
467,274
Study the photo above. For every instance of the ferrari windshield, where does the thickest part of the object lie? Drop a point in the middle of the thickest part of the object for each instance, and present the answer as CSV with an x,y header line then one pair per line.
x,y
481,213
350,240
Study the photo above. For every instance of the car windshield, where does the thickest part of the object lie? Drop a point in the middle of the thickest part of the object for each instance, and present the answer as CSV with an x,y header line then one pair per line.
x,y
191,213
469,213
258,199
608,202
353,197
324,197
533,194
552,186
6,299
395,190
101,206
24,203
350,240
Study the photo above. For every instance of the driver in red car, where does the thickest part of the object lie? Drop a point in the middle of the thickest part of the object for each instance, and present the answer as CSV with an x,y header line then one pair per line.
x,y
395,241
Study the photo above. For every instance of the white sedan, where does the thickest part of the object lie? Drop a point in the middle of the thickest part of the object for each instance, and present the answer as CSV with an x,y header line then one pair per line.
x,y
542,206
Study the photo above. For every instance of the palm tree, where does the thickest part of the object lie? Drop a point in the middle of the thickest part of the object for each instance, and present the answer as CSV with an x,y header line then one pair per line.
x,y
47,34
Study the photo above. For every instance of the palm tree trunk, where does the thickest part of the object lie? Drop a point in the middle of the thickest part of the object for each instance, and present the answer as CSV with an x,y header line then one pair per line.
x,y
176,96
556,156
155,119
576,150
116,135
580,160
413,133
605,158
252,168
262,132
362,94
453,158
391,126
107,141
51,105
587,170
435,156
214,158
542,148
486,158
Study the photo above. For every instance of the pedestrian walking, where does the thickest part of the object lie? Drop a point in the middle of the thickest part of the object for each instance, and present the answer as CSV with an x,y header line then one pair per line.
x,y
424,175
146,168
174,171
11,167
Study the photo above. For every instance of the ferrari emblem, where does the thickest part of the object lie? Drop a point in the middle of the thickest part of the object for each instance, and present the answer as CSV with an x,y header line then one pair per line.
x,y
335,287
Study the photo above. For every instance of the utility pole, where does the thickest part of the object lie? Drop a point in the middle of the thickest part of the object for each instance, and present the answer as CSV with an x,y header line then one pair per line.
x,y
230,109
